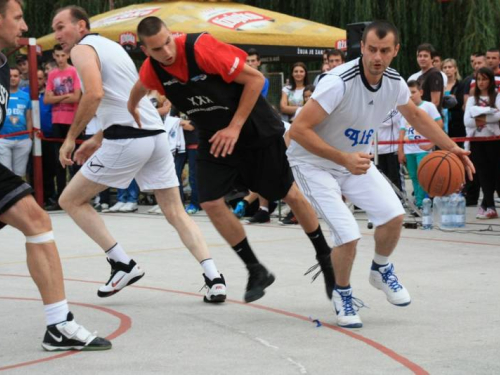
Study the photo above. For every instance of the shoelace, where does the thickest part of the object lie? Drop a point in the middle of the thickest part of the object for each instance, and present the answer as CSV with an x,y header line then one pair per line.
x,y
391,279
351,304
311,269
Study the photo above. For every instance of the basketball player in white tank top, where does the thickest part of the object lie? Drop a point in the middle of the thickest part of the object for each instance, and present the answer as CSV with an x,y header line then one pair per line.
x,y
129,150
329,156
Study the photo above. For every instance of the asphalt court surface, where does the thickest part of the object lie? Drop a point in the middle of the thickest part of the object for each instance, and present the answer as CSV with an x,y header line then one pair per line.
x,y
161,325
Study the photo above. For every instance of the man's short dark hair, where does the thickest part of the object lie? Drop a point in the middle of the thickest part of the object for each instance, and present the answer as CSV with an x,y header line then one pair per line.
x,y
77,14
437,54
254,52
15,68
3,5
426,47
381,28
58,47
21,58
494,50
415,84
479,53
150,26
336,52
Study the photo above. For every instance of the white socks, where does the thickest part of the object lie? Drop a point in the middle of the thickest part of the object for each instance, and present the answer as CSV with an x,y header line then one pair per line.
x,y
380,259
209,268
117,254
264,208
56,312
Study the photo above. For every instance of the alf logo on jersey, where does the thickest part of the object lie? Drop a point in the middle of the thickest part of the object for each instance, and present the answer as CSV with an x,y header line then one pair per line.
x,y
354,136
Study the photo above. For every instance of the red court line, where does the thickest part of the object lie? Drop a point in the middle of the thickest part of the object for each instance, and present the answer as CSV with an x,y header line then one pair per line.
x,y
125,324
416,369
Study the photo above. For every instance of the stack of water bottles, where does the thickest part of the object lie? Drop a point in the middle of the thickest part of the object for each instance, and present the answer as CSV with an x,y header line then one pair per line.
x,y
446,212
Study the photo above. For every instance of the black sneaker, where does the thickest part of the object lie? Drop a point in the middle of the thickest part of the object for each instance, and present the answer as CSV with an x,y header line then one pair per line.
x,y
289,219
121,276
326,267
70,335
259,278
216,292
260,217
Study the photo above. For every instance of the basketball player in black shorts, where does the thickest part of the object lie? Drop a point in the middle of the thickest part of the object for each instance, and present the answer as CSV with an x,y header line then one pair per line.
x,y
19,209
241,136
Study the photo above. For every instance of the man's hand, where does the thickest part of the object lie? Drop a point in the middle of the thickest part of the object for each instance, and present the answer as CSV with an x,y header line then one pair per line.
x,y
136,115
186,125
464,156
357,163
65,152
86,150
223,141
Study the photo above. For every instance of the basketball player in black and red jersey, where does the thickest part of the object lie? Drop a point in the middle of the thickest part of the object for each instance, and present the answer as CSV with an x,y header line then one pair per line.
x,y
241,136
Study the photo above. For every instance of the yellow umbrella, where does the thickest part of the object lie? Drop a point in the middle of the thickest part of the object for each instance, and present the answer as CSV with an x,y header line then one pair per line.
x,y
275,35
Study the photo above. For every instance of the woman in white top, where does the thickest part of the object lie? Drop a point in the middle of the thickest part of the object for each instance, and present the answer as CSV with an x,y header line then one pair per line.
x,y
482,116
292,94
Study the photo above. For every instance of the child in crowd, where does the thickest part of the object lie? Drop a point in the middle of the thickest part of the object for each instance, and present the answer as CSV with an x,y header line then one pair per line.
x,y
413,153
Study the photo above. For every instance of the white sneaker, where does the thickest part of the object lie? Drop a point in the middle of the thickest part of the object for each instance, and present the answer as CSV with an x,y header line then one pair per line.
x,y
384,279
117,207
105,207
346,307
69,335
155,210
121,276
216,289
129,207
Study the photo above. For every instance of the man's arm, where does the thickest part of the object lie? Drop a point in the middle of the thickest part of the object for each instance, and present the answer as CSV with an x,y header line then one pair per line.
x,y
136,94
426,126
436,97
86,62
224,140
302,132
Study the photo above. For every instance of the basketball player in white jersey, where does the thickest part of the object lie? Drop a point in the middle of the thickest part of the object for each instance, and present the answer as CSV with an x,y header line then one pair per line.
x,y
129,150
330,157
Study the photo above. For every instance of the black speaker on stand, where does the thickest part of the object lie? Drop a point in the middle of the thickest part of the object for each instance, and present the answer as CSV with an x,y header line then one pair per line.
x,y
354,34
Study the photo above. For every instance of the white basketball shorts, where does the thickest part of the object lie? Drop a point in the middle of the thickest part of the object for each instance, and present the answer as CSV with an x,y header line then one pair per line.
x,y
118,161
371,192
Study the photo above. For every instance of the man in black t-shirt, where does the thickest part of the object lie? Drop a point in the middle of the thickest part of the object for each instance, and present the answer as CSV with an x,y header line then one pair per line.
x,y
241,136
430,79
19,209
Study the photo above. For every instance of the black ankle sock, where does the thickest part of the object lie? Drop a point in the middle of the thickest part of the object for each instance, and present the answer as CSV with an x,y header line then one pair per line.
x,y
342,287
245,252
320,245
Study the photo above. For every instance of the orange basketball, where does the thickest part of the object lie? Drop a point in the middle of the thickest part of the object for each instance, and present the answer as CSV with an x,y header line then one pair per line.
x,y
441,173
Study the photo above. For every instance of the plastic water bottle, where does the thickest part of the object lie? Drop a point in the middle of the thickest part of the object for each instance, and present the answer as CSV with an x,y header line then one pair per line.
x,y
453,210
436,210
460,213
427,213
446,218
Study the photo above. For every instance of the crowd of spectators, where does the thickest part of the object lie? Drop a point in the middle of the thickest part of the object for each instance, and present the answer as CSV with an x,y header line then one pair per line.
x,y
466,106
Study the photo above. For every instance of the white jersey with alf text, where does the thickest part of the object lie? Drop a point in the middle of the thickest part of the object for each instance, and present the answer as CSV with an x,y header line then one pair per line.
x,y
355,110
119,75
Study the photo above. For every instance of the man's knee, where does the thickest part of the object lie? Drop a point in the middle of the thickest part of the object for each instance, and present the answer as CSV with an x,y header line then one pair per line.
x,y
33,219
394,222
211,206
294,195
